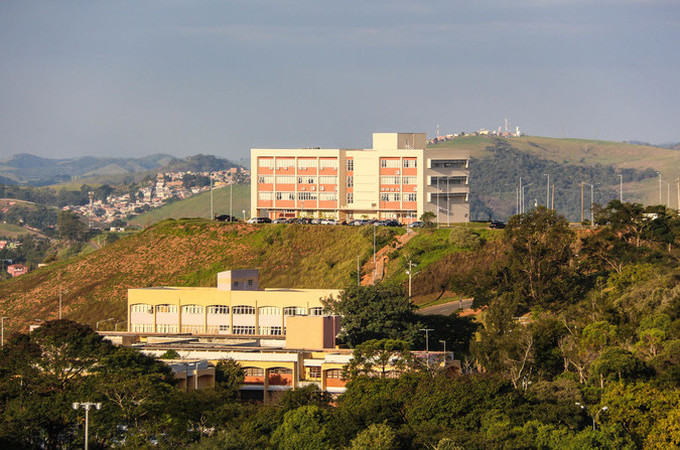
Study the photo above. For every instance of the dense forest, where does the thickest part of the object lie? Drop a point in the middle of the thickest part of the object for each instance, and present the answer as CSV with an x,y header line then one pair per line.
x,y
575,346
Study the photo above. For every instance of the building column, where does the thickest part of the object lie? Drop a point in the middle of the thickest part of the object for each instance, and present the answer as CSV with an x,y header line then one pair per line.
x,y
265,387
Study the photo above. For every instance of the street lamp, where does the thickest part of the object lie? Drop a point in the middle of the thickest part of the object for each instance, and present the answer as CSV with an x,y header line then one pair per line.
x,y
102,321
427,344
87,406
444,342
547,192
115,327
604,408
2,337
523,190
410,273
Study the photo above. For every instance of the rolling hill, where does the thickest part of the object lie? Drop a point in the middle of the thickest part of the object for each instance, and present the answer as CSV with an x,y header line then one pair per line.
x,y
199,206
184,253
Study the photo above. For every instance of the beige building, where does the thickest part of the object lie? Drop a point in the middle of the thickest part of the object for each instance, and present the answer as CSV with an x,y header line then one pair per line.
x,y
235,307
399,178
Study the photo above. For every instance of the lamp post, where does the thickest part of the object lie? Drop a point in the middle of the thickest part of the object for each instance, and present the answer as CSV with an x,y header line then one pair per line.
x,y
595,417
244,215
592,212
547,192
87,406
212,209
444,342
2,336
410,273
102,321
523,190
115,327
621,188
427,345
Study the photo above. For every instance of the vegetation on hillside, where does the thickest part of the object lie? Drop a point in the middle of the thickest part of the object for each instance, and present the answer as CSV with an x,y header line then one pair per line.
x,y
184,253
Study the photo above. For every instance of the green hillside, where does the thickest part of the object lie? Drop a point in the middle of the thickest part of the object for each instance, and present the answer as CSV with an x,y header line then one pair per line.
x,y
199,206
185,252
497,164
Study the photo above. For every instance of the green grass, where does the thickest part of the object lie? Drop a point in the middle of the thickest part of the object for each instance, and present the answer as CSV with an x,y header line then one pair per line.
x,y
199,206
9,230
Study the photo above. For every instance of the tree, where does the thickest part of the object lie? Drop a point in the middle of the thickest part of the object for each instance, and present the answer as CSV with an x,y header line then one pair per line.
x,y
303,428
374,312
428,219
70,226
378,436
377,356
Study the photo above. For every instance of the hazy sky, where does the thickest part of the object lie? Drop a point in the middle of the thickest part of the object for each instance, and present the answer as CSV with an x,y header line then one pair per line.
x,y
131,78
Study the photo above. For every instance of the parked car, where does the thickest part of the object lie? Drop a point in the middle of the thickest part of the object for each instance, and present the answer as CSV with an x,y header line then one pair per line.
x,y
259,220
497,225
390,223
280,220
329,222
359,222
226,218
416,224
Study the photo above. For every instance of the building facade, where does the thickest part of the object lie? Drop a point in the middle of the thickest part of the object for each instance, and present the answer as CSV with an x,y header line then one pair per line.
x,y
235,307
399,178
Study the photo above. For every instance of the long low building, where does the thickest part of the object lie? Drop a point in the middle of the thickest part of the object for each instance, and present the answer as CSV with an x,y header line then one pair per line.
x,y
235,307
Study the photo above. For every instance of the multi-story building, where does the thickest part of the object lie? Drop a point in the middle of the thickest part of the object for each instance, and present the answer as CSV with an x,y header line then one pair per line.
x,y
399,178
237,306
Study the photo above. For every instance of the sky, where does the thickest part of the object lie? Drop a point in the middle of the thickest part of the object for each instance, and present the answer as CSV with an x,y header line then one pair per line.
x,y
134,78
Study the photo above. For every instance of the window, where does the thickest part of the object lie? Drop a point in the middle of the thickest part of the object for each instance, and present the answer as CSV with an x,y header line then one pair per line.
x,y
327,179
306,195
265,179
390,197
270,331
350,181
285,179
328,196
392,163
285,195
408,180
253,372
192,309
285,163
166,309
328,163
166,328
350,198
316,311
265,195
235,283
350,164
390,180
224,328
218,309
270,311
449,163
306,180
243,310
410,163
241,329
314,372
304,163
142,328
280,371
250,282
294,311
265,162
334,373
410,197
141,308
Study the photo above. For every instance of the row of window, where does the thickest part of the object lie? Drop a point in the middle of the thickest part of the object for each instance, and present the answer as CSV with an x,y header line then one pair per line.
x,y
397,180
388,197
314,372
447,181
222,309
302,163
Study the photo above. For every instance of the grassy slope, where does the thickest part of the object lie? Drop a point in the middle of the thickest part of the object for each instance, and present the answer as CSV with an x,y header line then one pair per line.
x,y
14,231
588,153
187,252
199,206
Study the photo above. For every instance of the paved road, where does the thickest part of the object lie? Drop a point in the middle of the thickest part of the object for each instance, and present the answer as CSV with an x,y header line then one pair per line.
x,y
445,309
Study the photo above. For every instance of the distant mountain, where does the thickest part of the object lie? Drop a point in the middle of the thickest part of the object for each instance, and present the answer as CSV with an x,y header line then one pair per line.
x,y
38,171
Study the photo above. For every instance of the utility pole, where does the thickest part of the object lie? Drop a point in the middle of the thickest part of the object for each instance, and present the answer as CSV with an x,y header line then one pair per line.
x,y
212,212
552,202
427,345
547,192
581,201
410,275
519,203
2,336
621,188
659,187
358,273
444,342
